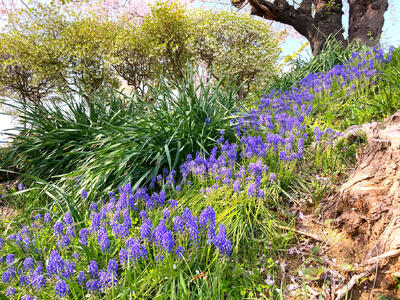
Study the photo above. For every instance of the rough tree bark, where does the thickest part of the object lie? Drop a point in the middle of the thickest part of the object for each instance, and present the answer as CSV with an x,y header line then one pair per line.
x,y
317,19
368,204
366,20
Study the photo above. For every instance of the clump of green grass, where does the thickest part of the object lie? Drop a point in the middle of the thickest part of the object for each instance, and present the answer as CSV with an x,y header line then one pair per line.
x,y
109,139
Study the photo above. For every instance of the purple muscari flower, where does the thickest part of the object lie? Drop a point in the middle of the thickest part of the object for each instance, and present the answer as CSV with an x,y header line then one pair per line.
x,y
5,277
106,279
173,203
160,257
47,218
93,269
92,286
145,229
112,266
81,277
272,177
1,243
38,270
260,194
207,121
55,264
27,297
222,242
236,186
166,213
69,269
207,216
102,238
95,222
211,235
318,133
93,206
70,231
122,231
122,203
10,291
127,188
15,237
152,183
123,256
142,214
187,215
180,252
38,281
10,258
134,248
178,188
61,288
28,264
64,241
23,280
58,228
68,219
75,255
131,201
251,190
167,241
161,198
83,234
158,232
159,179
20,186
26,242
127,218
282,155
84,194
179,224
193,230
25,230
37,217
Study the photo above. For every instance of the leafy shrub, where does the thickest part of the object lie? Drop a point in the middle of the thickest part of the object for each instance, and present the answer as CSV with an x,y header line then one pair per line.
x,y
64,51
52,52
235,43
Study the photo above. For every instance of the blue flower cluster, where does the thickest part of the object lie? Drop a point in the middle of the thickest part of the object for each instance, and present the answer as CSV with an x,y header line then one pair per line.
x,y
111,231
275,132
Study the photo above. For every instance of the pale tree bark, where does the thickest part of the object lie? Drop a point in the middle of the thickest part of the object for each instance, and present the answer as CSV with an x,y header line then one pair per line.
x,y
318,19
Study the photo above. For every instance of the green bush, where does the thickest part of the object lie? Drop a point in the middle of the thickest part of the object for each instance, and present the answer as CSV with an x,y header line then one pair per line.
x,y
64,51
244,47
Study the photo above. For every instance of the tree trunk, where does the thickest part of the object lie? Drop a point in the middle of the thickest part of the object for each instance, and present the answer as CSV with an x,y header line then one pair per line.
x,y
314,19
317,19
327,21
366,20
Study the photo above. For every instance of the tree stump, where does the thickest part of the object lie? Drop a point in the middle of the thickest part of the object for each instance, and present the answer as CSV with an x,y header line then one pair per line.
x,y
367,207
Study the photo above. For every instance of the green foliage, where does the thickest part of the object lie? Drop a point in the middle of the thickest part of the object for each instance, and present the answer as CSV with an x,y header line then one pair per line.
x,y
113,139
44,51
49,50
233,42
160,45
